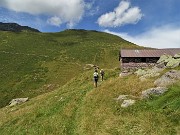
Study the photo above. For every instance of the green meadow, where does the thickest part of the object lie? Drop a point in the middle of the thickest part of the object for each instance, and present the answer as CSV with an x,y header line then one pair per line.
x,y
49,69
35,63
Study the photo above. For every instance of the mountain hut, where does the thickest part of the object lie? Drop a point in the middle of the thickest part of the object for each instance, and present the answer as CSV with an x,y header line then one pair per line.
x,y
133,59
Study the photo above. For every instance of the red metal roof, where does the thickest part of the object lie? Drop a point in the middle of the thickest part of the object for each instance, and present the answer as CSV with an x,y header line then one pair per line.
x,y
148,52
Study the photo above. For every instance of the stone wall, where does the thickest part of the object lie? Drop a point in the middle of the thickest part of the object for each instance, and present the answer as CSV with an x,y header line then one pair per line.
x,y
133,65
136,63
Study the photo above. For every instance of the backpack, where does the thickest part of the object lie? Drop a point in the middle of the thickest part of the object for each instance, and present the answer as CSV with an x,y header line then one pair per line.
x,y
102,72
95,75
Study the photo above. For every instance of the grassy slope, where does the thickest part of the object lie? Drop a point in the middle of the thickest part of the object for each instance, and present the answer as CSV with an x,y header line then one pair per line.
x,y
36,59
35,63
78,108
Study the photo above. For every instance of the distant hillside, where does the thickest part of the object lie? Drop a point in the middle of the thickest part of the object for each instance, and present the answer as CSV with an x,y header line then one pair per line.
x,y
35,63
14,27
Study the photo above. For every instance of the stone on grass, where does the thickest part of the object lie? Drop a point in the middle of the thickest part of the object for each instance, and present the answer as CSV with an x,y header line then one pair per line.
x,y
153,91
18,101
88,66
125,73
127,103
168,78
122,97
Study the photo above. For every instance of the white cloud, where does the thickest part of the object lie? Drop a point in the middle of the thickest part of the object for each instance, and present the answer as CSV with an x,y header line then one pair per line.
x,y
162,37
56,21
67,11
91,8
123,14
93,12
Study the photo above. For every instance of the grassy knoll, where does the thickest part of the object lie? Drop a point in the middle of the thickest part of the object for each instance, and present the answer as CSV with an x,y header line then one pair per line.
x,y
35,63
79,108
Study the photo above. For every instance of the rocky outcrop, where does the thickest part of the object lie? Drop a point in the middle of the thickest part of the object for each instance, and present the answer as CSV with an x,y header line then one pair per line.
x,y
169,61
173,63
164,58
168,78
18,101
153,91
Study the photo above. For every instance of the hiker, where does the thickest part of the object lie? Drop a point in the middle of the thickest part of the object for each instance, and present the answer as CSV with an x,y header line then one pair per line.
x,y
95,75
102,74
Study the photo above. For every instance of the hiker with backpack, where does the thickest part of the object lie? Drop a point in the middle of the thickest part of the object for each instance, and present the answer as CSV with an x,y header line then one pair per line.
x,y
102,74
96,77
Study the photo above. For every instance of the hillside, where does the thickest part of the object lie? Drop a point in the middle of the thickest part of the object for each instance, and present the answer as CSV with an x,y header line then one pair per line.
x,y
78,108
49,69
14,27
34,63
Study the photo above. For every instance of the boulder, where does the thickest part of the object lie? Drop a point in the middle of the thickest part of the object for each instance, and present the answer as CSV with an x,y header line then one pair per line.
x,y
168,78
164,58
127,103
177,55
153,91
169,61
18,101
172,63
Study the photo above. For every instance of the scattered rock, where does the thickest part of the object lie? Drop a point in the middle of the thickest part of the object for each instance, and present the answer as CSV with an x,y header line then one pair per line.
x,y
90,66
125,73
18,101
127,103
168,78
153,91
122,97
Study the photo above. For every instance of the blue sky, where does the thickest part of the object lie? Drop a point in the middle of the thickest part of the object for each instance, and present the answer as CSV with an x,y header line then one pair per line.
x,y
152,23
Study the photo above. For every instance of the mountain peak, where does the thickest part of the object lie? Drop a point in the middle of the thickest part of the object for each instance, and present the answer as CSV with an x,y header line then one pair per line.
x,y
14,27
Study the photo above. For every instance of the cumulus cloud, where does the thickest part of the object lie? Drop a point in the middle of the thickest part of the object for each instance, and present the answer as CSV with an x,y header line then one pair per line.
x,y
162,37
123,14
56,21
61,11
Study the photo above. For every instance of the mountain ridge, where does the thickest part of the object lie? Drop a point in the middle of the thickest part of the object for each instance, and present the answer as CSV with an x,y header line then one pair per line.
x,y
14,27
